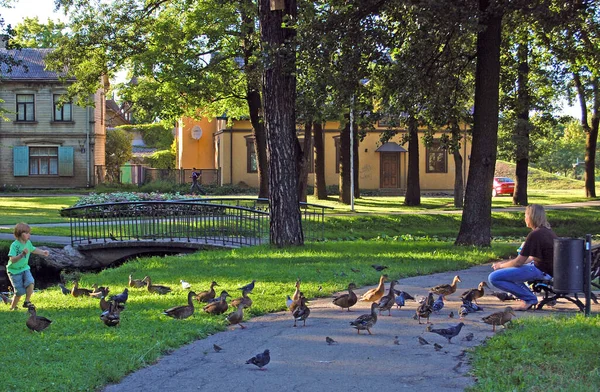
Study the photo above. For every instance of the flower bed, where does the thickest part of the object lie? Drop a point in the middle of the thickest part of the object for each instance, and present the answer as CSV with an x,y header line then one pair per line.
x,y
118,197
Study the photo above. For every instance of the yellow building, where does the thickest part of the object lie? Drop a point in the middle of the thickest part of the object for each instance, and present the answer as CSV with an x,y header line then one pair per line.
x,y
213,144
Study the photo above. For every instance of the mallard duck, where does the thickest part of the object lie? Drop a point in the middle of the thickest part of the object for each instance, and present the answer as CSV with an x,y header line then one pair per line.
x,y
184,311
206,296
156,288
244,299
111,317
499,318
237,317
294,304
35,322
97,291
79,292
302,312
425,309
448,333
249,287
375,294
346,300
446,289
104,304
218,307
366,321
136,283
296,295
387,301
474,294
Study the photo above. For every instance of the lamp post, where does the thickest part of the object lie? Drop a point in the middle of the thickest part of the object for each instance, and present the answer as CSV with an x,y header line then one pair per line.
x,y
352,154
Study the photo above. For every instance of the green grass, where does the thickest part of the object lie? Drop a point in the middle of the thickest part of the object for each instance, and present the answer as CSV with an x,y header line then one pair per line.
x,y
38,209
79,353
552,353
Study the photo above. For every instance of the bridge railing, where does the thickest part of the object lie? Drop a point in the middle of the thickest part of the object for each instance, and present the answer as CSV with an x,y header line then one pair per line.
x,y
226,221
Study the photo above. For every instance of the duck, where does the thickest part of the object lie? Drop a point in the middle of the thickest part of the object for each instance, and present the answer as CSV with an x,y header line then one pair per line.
x,y
296,295
288,301
294,304
302,312
4,298
237,317
387,301
112,316
35,322
474,294
244,299
104,304
79,292
136,283
446,289
499,318
346,301
366,321
97,291
425,309
375,294
218,307
206,296
156,288
184,311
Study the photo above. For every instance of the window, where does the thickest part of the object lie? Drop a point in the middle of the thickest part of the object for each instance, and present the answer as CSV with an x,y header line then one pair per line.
x,y
251,163
25,107
43,161
437,158
62,110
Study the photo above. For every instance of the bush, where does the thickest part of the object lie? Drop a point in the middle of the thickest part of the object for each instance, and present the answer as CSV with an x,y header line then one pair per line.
x,y
163,159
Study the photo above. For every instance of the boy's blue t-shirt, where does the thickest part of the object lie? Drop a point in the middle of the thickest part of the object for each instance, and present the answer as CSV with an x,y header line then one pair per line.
x,y
15,249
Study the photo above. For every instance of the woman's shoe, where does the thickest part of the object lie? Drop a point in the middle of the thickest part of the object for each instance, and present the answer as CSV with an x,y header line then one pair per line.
x,y
526,307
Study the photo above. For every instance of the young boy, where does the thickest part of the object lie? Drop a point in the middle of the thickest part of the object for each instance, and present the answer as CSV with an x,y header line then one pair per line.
x,y
18,265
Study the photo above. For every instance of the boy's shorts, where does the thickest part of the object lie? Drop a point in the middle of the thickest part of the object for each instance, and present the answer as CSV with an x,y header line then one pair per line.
x,y
21,281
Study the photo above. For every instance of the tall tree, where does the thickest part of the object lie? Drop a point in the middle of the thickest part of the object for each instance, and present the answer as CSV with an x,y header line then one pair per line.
x,y
30,33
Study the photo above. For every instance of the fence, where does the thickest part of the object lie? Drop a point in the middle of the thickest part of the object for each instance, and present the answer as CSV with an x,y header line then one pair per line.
x,y
140,174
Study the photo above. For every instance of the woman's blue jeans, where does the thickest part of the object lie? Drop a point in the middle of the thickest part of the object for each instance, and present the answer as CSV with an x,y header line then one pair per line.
x,y
513,280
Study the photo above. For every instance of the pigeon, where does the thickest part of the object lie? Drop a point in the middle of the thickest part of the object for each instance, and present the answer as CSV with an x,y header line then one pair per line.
x,y
217,348
185,285
469,337
457,366
502,296
462,312
448,333
404,294
64,290
437,347
400,300
422,341
112,237
4,298
120,298
451,314
260,360
329,340
438,304
378,267
396,341
249,287
468,307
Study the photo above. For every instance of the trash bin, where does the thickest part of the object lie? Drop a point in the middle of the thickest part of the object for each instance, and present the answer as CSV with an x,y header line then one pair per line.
x,y
568,265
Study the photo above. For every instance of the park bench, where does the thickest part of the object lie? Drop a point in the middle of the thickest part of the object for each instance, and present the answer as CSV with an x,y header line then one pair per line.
x,y
546,288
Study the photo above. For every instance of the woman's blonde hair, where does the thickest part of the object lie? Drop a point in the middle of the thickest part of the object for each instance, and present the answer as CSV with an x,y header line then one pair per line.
x,y
537,215
21,228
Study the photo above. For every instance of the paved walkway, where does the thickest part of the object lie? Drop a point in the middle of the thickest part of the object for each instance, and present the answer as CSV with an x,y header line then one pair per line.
x,y
302,361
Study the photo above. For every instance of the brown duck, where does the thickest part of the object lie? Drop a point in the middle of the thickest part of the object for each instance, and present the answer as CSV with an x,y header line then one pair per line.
x,y
499,318
35,322
375,294
237,317
207,296
79,292
104,304
244,299
446,289
296,295
136,283
156,288
220,306
474,294
302,312
112,316
425,309
366,321
346,300
97,291
387,301
182,312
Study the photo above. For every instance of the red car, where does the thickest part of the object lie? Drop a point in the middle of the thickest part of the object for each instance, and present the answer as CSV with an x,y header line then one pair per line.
x,y
503,186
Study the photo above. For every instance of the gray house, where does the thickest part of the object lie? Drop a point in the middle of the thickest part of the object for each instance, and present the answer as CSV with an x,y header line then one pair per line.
x,y
45,141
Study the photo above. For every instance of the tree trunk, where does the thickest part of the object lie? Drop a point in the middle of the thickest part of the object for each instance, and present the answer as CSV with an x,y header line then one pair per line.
x,y
320,186
253,87
413,186
345,166
475,227
279,95
523,126
459,180
356,166
305,161
591,138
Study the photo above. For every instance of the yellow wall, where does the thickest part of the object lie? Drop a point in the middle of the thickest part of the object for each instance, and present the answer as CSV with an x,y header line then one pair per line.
x,y
196,153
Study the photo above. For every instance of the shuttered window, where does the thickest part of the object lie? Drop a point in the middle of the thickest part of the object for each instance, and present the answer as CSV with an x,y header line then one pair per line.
x,y
20,161
42,161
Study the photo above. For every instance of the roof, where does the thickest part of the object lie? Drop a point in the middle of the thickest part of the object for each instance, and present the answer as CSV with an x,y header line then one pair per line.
x,y
391,147
32,65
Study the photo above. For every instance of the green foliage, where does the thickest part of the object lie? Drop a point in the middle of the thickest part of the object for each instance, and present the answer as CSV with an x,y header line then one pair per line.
x,y
118,152
156,135
164,159
30,33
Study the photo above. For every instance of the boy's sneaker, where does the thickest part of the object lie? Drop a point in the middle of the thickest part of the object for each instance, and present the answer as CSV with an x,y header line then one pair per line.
x,y
26,304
